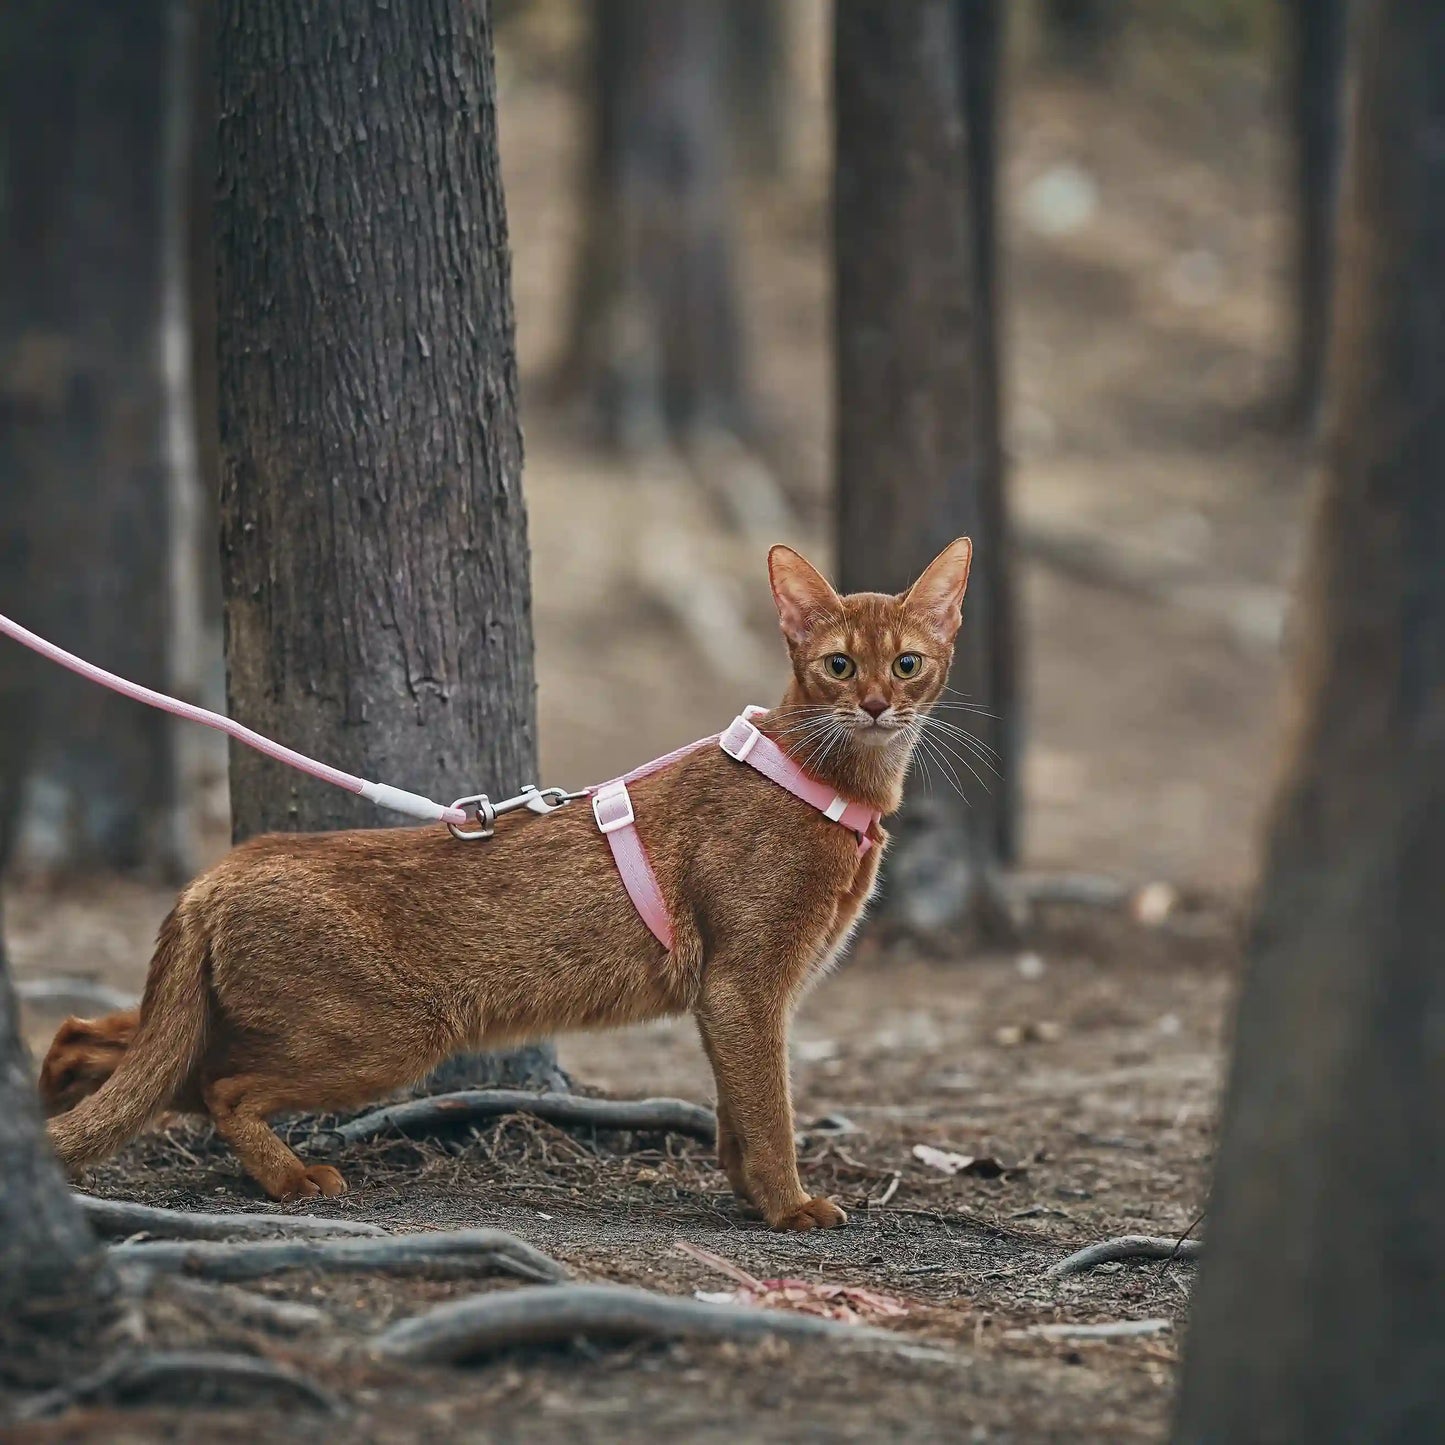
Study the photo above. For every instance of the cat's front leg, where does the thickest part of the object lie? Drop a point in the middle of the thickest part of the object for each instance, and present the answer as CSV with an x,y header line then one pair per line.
x,y
746,1037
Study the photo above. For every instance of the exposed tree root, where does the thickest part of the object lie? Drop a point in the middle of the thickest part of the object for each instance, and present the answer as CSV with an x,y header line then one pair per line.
x,y
208,1372
284,1316
457,1251
470,1328
119,1219
1127,1246
442,1112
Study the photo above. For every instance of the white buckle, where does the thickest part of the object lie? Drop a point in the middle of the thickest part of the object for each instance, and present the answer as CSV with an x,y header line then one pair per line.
x,y
739,751
608,798
835,809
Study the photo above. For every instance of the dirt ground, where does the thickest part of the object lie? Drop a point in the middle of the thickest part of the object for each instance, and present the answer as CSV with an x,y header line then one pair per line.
x,y
1160,509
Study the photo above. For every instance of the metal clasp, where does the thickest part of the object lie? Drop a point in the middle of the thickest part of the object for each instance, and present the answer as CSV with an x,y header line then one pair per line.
x,y
486,812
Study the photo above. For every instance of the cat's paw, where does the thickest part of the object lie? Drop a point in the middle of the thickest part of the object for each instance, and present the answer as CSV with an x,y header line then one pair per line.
x,y
815,1213
325,1180
314,1179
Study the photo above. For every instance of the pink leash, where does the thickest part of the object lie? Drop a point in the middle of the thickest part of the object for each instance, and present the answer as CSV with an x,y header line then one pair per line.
x,y
611,802
382,794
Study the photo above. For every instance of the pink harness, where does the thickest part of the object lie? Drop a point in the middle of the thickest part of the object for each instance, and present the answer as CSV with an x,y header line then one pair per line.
x,y
612,807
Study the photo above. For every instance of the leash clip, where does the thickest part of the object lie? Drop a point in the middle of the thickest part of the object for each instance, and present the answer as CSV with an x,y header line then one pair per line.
x,y
486,812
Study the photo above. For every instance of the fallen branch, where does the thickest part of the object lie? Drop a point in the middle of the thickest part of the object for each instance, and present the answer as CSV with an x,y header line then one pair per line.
x,y
1112,1330
119,1219
452,1251
441,1112
470,1328
213,1371
74,995
1127,1246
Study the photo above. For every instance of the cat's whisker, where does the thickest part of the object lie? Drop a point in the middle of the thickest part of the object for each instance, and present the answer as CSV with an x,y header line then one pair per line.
x,y
944,706
931,746
942,743
987,754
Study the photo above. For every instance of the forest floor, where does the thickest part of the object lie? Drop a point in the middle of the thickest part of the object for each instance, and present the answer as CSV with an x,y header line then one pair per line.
x,y
1160,504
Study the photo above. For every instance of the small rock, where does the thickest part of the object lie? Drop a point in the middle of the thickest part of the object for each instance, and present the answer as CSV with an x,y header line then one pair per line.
x,y
1045,1031
1060,201
1008,1036
1153,903
834,1124
1030,966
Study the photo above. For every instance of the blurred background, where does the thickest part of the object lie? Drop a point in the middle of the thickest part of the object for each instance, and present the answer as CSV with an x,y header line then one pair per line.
x,y
1158,341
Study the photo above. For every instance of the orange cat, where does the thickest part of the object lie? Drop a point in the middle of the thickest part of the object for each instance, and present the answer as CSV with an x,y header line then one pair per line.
x,y
316,972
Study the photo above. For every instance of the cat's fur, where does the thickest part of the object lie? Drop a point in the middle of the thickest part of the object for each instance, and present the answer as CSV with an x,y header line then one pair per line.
x,y
319,972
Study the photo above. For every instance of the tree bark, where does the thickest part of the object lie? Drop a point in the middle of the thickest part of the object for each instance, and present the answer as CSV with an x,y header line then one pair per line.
x,y
55,1283
81,408
1317,35
655,339
1318,1313
374,538
918,454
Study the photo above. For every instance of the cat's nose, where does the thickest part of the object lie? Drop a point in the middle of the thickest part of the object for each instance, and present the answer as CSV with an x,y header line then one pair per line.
x,y
875,707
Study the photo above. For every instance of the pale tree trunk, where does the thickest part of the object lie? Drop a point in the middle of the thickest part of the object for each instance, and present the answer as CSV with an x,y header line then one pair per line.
x,y
654,351
1317,32
81,418
918,457
374,540
1318,1314
757,34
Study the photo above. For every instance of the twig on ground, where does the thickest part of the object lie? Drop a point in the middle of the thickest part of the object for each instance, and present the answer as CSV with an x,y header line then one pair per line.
x,y
119,1219
888,1193
215,1372
471,1328
1127,1246
451,1251
442,1112
1113,1330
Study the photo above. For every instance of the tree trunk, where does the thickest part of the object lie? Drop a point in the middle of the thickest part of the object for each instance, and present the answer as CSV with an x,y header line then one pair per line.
x,y
757,36
654,350
81,409
1317,31
1318,1315
55,1284
374,538
918,454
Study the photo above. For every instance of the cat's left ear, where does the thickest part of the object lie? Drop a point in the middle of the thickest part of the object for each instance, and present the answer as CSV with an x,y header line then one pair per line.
x,y
937,596
801,592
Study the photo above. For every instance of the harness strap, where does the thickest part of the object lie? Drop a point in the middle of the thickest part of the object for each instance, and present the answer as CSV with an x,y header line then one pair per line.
x,y
742,741
612,807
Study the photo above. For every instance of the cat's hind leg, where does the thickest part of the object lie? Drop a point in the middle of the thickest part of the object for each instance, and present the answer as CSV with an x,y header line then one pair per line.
x,y
239,1106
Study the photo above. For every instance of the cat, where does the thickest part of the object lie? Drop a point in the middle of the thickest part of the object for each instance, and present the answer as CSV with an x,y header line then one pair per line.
x,y
319,972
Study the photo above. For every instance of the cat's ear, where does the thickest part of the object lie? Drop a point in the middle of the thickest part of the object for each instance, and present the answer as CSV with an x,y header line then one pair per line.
x,y
937,596
801,592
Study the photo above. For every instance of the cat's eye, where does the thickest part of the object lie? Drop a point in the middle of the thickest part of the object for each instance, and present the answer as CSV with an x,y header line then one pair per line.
x,y
907,664
840,665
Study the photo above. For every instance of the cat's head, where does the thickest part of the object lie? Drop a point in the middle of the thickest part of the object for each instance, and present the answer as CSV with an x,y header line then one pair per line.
x,y
871,662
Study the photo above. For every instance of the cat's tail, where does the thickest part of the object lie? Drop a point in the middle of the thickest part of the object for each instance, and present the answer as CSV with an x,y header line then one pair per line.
x,y
168,1042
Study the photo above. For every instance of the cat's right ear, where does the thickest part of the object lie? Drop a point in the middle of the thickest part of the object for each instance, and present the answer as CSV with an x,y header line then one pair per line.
x,y
801,592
